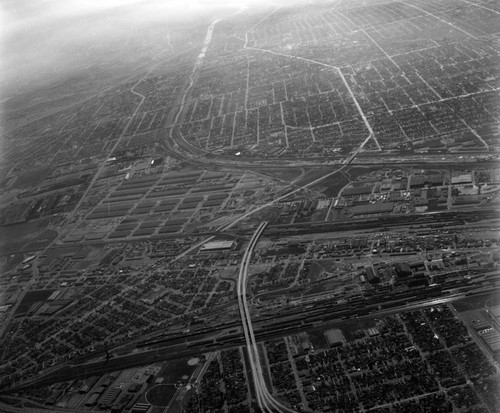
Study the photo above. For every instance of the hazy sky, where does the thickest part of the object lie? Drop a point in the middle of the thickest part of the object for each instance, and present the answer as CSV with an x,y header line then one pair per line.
x,y
49,37
23,15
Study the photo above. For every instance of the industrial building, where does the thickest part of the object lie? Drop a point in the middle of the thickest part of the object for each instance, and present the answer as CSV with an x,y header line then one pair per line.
x,y
419,181
335,337
372,275
462,178
373,208
357,190
403,269
215,246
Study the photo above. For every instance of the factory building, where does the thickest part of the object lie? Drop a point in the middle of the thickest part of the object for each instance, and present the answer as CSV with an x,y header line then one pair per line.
x,y
403,269
357,190
373,208
216,246
372,275
335,337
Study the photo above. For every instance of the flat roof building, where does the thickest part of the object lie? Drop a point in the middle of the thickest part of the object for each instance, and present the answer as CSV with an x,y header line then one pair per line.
x,y
465,178
357,190
335,337
403,269
372,275
214,246
373,208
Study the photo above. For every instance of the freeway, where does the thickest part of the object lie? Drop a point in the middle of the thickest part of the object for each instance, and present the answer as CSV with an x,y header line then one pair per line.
x,y
265,399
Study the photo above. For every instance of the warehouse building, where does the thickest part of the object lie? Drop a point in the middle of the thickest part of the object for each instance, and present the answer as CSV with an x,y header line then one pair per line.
x,y
357,190
334,337
371,275
403,269
373,208
216,246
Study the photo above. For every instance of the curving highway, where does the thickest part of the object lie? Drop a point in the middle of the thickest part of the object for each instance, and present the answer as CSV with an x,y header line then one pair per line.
x,y
264,398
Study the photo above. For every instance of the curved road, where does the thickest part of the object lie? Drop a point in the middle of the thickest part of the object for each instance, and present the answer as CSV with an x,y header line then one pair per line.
x,y
264,398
